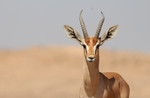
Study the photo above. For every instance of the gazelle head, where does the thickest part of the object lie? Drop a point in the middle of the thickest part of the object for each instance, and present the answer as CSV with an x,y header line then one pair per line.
x,y
91,43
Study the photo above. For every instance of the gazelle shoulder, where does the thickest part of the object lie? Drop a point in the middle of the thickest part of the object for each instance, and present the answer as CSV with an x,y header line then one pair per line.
x,y
111,75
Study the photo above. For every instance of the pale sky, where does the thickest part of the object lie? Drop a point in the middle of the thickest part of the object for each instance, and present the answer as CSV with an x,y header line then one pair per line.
x,y
24,23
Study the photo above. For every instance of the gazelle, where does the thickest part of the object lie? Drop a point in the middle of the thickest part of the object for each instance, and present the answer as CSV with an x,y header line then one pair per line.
x,y
97,84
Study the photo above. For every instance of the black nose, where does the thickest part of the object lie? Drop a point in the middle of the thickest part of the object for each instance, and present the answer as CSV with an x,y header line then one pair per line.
x,y
91,58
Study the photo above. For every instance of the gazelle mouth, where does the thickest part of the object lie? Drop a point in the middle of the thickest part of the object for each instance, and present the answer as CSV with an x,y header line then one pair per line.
x,y
90,59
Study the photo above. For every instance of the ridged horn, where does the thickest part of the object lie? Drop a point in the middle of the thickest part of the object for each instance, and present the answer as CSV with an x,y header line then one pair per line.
x,y
83,26
99,26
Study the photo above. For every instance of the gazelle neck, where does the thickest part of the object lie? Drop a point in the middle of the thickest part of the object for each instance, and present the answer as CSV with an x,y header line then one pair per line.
x,y
91,75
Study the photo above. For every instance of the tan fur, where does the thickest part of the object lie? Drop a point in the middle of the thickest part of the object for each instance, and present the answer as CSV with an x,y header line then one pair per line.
x,y
101,85
97,84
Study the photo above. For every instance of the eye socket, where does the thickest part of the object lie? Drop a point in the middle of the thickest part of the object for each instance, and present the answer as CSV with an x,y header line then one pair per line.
x,y
84,46
97,46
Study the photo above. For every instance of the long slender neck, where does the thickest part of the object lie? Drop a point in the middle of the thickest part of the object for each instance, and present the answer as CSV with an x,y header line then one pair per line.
x,y
91,76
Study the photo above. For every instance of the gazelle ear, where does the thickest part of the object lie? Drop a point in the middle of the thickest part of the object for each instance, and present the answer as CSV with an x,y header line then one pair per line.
x,y
72,33
109,34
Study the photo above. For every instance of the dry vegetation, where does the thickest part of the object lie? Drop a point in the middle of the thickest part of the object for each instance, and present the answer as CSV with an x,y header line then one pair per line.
x,y
56,72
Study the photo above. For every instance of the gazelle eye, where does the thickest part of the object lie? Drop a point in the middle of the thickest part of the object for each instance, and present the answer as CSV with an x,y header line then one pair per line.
x,y
97,46
84,46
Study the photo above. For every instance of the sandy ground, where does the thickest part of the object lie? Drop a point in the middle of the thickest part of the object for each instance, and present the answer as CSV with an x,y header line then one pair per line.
x,y
56,72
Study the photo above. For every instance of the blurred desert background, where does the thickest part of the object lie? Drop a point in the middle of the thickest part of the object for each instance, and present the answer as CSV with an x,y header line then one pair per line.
x,y
56,71
38,60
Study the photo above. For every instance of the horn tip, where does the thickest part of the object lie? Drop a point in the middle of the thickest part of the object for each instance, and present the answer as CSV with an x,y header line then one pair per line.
x,y
102,13
81,11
